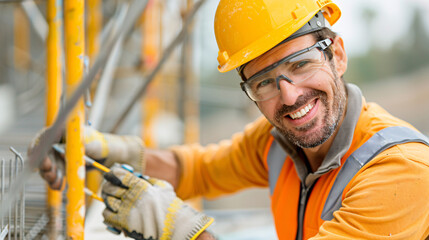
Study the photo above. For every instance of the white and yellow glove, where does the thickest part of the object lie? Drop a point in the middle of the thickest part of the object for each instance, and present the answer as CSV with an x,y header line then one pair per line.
x,y
149,209
111,149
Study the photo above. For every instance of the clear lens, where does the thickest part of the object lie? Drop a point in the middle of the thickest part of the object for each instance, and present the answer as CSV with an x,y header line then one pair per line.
x,y
297,69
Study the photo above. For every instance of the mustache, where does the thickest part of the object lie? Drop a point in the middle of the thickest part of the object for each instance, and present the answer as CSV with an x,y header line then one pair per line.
x,y
300,102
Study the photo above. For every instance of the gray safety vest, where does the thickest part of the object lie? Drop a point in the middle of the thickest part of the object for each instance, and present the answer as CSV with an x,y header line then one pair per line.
x,y
379,142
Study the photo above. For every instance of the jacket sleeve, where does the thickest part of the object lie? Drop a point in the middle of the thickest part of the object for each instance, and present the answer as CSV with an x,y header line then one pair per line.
x,y
225,167
387,200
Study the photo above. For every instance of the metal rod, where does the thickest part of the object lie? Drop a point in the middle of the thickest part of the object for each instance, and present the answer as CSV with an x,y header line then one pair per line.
x,y
94,178
54,86
22,223
93,195
9,190
151,50
22,54
53,133
37,227
15,227
20,205
2,190
36,18
104,86
93,27
4,232
75,165
155,71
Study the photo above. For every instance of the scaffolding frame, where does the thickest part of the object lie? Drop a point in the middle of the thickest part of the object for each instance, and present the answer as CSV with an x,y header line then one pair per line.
x,y
77,84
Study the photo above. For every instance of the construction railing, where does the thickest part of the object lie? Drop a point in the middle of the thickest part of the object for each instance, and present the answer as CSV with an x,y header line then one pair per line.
x,y
13,219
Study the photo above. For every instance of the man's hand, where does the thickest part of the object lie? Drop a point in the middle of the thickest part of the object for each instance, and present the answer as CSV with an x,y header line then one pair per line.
x,y
149,209
52,167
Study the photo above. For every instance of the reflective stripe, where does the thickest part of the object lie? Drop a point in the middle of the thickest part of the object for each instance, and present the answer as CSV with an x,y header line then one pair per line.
x,y
275,160
381,141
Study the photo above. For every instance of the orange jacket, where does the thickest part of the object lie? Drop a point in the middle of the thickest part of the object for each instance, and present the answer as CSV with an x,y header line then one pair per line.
x,y
387,198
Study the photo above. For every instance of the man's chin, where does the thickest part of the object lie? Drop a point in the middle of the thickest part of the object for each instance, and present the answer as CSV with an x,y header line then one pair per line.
x,y
311,143
308,136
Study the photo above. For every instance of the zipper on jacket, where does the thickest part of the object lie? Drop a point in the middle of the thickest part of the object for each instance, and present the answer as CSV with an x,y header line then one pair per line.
x,y
303,197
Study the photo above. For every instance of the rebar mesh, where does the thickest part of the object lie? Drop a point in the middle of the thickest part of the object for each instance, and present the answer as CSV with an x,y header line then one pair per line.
x,y
13,223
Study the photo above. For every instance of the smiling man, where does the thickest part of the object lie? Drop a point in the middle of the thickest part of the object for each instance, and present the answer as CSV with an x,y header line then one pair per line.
x,y
336,166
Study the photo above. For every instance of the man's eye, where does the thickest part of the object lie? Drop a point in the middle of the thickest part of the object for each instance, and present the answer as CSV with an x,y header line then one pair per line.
x,y
301,64
265,83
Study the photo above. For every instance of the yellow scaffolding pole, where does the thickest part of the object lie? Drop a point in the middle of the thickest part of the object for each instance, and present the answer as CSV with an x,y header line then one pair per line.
x,y
151,35
53,96
93,177
75,165
22,40
95,17
191,100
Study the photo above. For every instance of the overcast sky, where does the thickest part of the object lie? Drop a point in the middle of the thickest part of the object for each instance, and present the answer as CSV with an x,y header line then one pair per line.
x,y
393,19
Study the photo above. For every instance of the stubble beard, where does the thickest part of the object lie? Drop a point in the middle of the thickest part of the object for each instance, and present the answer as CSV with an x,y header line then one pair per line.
x,y
331,117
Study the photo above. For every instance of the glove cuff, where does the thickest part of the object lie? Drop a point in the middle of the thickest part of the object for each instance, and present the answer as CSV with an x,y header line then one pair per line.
x,y
190,223
201,225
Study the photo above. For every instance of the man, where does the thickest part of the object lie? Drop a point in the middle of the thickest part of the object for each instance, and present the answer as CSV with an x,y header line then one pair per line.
x,y
336,166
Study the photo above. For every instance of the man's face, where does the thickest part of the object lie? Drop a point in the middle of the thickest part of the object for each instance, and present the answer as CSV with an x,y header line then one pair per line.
x,y
309,112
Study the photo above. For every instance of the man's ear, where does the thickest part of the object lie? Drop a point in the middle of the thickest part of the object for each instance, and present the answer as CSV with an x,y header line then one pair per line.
x,y
340,57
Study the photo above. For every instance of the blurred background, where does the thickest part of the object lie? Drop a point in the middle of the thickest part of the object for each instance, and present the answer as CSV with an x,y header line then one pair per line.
x,y
188,100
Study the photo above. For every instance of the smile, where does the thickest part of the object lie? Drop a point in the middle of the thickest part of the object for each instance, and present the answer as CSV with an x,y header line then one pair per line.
x,y
301,113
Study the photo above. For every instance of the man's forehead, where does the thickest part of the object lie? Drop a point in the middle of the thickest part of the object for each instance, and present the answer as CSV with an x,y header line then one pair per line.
x,y
277,53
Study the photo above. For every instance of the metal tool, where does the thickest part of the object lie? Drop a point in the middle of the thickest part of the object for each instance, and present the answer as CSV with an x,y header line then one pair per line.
x,y
89,161
92,194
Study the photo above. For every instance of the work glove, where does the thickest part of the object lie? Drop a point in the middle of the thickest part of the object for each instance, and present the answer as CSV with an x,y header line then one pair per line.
x,y
109,149
148,208
105,148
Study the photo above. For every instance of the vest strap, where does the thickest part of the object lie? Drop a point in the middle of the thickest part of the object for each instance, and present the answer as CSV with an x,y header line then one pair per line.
x,y
379,142
275,160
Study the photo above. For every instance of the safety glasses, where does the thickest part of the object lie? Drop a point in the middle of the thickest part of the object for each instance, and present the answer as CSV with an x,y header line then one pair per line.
x,y
294,68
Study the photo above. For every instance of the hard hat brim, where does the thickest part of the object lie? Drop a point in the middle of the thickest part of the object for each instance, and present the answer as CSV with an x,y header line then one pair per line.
x,y
331,12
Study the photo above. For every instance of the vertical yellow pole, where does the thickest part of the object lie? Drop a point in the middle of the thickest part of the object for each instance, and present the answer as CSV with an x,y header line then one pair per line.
x,y
22,40
75,165
191,117
94,177
53,95
150,56
93,27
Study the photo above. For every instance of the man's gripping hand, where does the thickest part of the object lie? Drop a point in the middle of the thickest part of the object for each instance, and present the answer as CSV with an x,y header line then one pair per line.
x,y
52,167
149,209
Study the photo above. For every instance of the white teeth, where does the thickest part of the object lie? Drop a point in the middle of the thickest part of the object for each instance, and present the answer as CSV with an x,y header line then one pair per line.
x,y
302,113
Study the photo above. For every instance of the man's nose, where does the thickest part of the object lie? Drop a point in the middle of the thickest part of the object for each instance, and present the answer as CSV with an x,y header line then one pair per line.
x,y
289,92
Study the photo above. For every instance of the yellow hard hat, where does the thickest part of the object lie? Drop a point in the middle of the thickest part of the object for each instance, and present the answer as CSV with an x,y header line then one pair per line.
x,y
245,29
